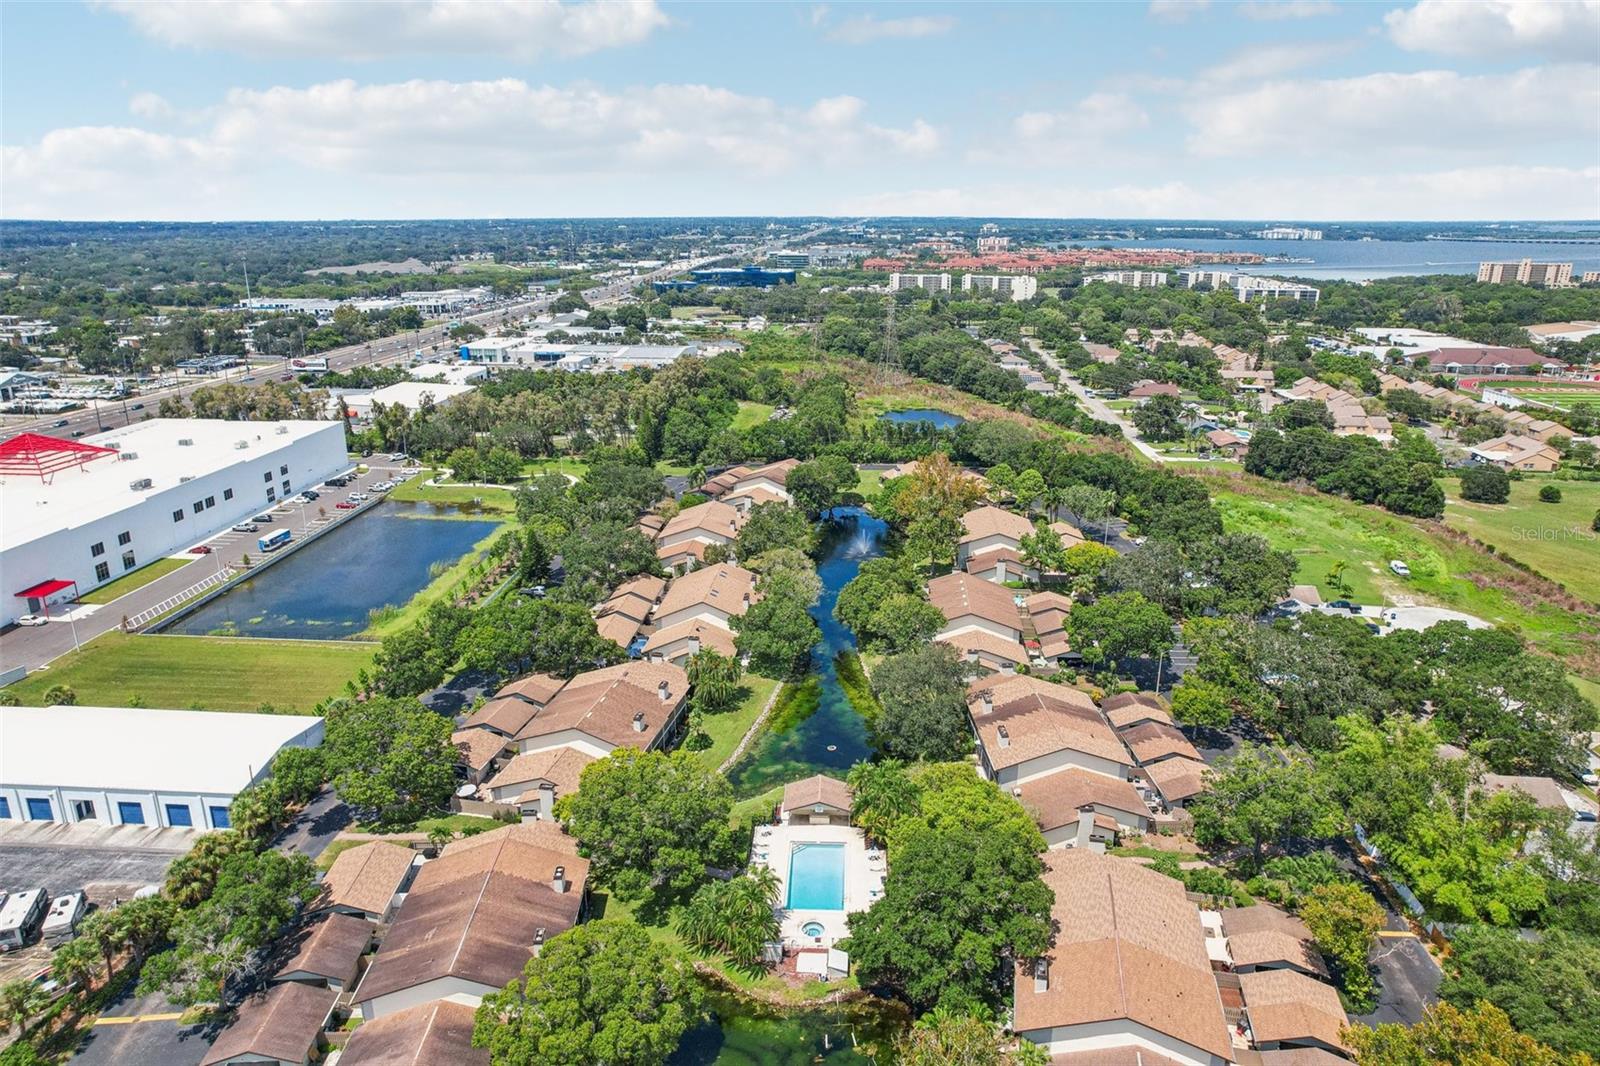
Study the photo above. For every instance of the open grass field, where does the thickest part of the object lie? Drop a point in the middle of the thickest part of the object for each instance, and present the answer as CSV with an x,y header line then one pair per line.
x,y
201,673
727,728
751,414
1556,539
482,500
1446,572
869,482
1562,396
136,580
570,467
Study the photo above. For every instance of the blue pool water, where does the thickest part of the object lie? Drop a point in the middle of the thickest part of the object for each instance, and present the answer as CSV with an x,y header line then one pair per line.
x,y
816,877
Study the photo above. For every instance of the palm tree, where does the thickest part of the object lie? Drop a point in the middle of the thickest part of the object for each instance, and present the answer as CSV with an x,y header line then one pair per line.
x,y
75,962
20,1001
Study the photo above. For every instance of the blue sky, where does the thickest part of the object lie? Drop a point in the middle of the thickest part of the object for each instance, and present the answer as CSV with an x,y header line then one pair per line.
x,y
1299,109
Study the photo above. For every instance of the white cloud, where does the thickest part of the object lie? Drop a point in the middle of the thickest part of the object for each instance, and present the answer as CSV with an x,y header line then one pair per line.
x,y
1278,10
865,29
1176,10
1095,116
488,131
151,106
379,29
1272,61
1383,116
1568,29
1476,192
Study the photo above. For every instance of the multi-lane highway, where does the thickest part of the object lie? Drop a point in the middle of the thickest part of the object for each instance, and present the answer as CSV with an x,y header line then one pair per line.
x,y
430,341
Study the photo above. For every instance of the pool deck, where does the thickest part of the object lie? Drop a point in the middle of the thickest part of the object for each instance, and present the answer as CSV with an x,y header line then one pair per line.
x,y
864,871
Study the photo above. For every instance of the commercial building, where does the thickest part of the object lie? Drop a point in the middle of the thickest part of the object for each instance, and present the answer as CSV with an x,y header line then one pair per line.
x,y
730,277
449,373
926,282
80,513
533,354
1527,272
411,395
1135,279
1569,332
789,260
1017,286
993,244
138,766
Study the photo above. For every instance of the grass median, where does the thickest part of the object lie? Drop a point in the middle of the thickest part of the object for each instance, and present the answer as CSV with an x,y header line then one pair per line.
x,y
137,580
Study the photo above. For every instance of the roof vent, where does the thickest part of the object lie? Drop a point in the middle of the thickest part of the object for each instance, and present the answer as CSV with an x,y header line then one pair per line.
x,y
664,692
240,445
281,430
559,881
127,456
1005,737
185,477
186,442
140,485
538,936
638,722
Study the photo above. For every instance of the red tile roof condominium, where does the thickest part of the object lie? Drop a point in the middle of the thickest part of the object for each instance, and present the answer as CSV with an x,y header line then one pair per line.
x,y
1129,948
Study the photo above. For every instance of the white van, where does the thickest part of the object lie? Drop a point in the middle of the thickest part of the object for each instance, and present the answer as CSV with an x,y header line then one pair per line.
x,y
20,917
61,920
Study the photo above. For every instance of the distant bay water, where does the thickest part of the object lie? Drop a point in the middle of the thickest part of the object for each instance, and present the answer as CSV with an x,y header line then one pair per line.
x,y
1362,260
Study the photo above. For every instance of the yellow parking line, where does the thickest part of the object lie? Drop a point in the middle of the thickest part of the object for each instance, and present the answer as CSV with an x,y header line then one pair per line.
x,y
138,1018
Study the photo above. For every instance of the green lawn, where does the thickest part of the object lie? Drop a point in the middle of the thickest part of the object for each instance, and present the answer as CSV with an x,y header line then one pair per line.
x,y
751,414
869,482
1321,530
726,729
756,806
1555,539
201,673
477,499
571,467
136,580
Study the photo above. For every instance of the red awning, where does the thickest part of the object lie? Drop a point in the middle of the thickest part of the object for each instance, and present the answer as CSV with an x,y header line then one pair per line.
x,y
45,588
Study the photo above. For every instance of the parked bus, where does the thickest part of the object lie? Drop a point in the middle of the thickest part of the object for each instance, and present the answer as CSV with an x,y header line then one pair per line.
x,y
273,541
20,917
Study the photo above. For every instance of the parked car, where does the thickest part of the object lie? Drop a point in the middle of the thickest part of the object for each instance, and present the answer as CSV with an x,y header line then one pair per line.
x,y
79,432
345,505
1590,779
1346,605
61,920
1399,568
398,457
263,518
358,497
339,482
200,549
32,620
310,495
246,527
138,407
1583,816
58,423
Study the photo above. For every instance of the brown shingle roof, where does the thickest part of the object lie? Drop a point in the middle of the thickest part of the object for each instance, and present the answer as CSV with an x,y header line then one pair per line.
x,y
1128,946
1542,790
1048,601
506,716
716,519
330,948
1267,946
283,1024
1126,708
478,747
817,789
711,636
1288,1005
969,641
603,703
1262,917
617,628
537,833
366,877
560,766
646,586
474,913
958,595
1154,741
1039,719
535,688
429,1034
724,586
989,521
1177,779
1054,799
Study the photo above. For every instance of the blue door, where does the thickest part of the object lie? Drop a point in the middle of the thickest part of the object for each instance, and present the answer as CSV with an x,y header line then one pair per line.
x,y
179,814
39,810
130,813
219,818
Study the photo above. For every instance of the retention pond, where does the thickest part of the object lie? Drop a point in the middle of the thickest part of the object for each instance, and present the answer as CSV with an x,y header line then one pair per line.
x,y
328,589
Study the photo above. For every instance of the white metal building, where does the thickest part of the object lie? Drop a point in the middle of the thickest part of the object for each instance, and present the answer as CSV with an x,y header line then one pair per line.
x,y
83,513
138,766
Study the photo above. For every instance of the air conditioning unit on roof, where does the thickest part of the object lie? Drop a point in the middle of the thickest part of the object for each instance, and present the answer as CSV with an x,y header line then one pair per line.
x,y
140,485
186,442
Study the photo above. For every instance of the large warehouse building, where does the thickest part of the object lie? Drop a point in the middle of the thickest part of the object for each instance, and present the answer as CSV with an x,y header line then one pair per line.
x,y
138,766
81,513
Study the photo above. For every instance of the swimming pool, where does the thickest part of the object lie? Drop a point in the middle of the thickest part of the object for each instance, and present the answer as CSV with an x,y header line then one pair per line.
x,y
816,877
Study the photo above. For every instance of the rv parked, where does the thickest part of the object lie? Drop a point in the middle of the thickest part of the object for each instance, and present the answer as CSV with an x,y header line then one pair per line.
x,y
61,920
20,917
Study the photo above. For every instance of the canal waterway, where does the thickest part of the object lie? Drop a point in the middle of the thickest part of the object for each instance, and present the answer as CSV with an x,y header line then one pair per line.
x,y
327,589
743,1033
818,729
